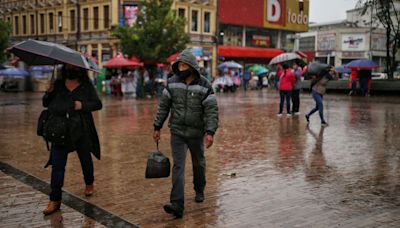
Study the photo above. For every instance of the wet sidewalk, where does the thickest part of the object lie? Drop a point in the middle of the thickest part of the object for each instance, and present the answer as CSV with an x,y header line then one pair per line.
x,y
288,173
21,207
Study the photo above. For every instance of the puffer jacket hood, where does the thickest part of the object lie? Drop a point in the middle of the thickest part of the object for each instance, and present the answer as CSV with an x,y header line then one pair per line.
x,y
187,57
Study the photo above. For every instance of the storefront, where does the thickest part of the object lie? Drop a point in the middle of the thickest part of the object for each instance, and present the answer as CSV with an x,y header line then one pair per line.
x,y
257,32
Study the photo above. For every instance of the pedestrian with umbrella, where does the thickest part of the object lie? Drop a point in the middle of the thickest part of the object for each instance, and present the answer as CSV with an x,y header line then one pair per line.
x,y
70,101
321,74
364,67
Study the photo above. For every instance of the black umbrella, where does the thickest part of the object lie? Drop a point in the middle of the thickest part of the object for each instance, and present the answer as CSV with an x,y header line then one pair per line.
x,y
318,69
35,52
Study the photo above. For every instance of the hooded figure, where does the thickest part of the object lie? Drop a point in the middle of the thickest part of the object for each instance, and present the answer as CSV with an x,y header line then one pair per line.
x,y
190,99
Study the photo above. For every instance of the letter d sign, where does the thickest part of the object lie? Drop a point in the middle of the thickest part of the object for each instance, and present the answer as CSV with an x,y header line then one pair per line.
x,y
274,11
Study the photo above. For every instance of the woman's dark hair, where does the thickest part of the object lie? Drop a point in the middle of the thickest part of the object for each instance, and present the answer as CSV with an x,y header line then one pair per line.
x,y
285,66
82,74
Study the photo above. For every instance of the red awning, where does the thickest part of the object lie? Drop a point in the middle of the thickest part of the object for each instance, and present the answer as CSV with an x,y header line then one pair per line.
x,y
302,54
173,57
120,62
248,52
90,57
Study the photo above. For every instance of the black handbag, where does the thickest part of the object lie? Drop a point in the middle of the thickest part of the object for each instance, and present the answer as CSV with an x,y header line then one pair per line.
x,y
44,116
158,165
63,130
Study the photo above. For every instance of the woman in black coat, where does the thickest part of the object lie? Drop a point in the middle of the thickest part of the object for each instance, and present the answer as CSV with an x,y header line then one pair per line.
x,y
75,96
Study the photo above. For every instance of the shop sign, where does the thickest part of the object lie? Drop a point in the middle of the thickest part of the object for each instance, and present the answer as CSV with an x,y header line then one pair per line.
x,y
326,42
353,54
291,15
353,42
262,41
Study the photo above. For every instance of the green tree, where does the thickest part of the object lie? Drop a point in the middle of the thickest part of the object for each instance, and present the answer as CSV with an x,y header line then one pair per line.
x,y
157,33
386,13
5,33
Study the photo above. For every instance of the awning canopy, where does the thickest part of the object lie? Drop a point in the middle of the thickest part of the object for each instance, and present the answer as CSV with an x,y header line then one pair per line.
x,y
248,52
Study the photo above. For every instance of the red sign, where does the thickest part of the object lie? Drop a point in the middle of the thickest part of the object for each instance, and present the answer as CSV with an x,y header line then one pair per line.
x,y
276,12
262,41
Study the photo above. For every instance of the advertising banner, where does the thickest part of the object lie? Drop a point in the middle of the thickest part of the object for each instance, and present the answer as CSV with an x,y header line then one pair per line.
x,y
290,15
353,42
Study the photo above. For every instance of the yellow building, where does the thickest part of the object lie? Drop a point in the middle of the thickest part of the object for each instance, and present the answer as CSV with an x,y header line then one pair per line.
x,y
201,25
57,21
85,25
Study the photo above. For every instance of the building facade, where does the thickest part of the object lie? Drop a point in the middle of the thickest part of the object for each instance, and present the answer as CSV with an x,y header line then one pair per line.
x,y
339,42
85,25
256,31
200,16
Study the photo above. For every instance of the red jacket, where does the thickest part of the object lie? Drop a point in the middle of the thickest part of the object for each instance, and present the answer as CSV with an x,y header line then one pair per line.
x,y
286,80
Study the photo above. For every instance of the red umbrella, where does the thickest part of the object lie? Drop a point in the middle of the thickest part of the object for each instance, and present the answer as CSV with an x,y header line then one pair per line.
x,y
120,62
173,57
135,61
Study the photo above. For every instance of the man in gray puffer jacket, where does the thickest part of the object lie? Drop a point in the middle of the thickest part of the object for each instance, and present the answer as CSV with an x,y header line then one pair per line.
x,y
194,118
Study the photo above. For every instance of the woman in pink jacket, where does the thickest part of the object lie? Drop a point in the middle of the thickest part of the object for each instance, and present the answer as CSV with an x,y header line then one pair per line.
x,y
286,83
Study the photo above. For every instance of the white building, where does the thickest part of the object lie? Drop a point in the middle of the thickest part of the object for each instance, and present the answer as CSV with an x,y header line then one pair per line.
x,y
339,42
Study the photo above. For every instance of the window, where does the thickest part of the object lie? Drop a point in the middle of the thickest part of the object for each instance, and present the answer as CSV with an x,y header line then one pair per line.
x,y
86,19
96,18
106,17
60,22
24,24
181,13
207,22
32,24
195,15
72,20
51,22
16,25
41,23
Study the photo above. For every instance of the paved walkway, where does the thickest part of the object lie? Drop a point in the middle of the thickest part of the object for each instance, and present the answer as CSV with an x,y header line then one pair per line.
x,y
21,206
288,173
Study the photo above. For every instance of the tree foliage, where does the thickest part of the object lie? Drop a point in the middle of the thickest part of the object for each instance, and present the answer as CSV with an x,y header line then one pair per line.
x,y
157,33
5,33
389,17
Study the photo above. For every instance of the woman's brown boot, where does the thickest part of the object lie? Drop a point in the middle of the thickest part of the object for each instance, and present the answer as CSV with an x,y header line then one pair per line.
x,y
52,207
89,190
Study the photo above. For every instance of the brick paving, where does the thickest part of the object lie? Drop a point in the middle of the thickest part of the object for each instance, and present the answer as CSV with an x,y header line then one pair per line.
x,y
287,174
21,206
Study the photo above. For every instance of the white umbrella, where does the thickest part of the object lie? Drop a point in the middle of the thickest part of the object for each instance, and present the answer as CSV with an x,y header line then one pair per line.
x,y
284,57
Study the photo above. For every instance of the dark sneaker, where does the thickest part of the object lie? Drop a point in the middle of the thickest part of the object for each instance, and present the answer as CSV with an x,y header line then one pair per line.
x,y
174,209
324,124
199,197
308,118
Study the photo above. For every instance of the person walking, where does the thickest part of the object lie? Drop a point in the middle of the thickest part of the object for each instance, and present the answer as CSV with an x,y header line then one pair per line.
x,y
318,89
286,83
194,119
298,73
246,79
75,96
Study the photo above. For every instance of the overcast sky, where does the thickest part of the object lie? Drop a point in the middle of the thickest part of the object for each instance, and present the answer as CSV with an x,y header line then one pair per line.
x,y
329,10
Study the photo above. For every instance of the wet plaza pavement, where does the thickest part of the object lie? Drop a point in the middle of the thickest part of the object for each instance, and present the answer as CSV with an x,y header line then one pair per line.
x,y
287,173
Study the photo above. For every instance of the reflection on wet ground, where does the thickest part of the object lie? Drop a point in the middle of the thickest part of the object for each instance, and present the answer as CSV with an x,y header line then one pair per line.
x,y
288,173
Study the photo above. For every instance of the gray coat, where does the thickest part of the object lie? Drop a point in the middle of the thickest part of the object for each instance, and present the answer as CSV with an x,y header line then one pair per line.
x,y
193,107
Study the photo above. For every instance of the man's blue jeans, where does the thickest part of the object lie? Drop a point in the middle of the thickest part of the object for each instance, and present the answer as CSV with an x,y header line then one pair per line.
x,y
319,105
59,156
